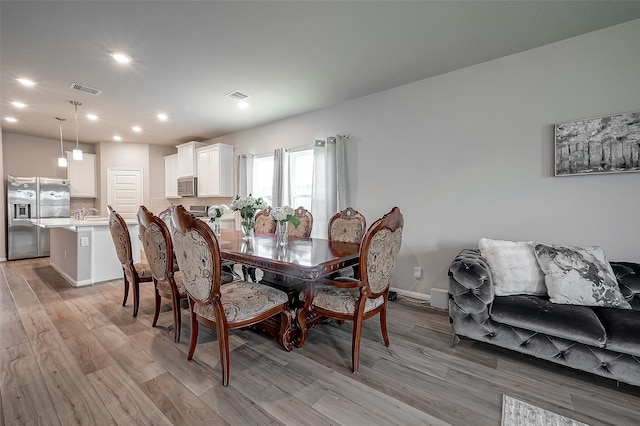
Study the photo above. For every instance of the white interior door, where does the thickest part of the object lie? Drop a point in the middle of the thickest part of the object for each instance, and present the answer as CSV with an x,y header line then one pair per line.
x,y
124,191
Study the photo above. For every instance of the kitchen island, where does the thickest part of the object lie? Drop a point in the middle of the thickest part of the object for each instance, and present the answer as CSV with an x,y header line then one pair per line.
x,y
82,251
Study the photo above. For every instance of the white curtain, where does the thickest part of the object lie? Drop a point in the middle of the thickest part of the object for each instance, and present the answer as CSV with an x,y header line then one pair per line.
x,y
245,175
329,192
280,177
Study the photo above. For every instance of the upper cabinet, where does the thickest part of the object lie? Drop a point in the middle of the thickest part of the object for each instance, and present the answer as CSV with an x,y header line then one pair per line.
x,y
215,170
82,176
171,176
187,163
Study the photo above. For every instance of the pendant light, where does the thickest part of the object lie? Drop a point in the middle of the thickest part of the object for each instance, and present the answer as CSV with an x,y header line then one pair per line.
x,y
62,160
77,153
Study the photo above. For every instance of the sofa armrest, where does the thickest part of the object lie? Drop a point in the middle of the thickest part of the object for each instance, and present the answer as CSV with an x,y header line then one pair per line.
x,y
470,282
628,276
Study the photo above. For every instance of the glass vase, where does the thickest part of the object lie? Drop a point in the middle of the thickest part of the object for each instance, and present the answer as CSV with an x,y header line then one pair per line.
x,y
248,224
282,236
215,225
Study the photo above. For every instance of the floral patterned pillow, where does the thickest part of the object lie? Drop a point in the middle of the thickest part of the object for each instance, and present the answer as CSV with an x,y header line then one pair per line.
x,y
579,276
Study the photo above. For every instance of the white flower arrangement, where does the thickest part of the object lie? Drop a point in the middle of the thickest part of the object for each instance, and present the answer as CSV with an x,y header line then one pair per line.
x,y
216,212
248,205
284,214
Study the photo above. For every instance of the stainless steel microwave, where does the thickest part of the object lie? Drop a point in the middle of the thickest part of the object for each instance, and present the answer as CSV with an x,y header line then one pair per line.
x,y
188,186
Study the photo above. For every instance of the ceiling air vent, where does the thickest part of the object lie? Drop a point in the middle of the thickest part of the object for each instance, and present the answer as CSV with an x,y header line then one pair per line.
x,y
237,96
85,89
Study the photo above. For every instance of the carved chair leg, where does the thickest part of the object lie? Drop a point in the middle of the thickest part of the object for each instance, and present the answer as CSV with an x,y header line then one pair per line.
x,y
195,326
355,344
136,298
126,291
223,342
177,318
383,324
156,314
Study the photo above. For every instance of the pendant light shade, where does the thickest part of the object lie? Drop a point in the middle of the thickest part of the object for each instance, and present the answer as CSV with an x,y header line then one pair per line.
x,y
77,153
62,160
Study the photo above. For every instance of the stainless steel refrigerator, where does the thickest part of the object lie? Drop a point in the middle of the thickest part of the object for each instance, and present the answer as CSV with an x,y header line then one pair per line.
x,y
33,198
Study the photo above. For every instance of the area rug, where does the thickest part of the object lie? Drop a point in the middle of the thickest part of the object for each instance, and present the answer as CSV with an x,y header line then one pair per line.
x,y
519,413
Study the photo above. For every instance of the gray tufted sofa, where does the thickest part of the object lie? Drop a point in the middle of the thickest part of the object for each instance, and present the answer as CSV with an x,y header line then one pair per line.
x,y
602,341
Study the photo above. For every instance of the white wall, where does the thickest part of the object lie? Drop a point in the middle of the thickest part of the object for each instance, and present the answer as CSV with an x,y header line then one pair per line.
x,y
469,154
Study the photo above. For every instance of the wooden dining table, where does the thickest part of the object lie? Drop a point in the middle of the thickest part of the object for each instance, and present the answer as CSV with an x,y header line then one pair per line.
x,y
292,268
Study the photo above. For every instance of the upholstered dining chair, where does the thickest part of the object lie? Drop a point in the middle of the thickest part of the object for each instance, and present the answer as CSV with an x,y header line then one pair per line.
x,y
347,226
134,274
263,225
359,299
158,247
223,307
306,224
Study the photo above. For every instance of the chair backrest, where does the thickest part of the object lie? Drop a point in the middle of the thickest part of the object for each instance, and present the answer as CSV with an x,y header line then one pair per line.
x,y
165,215
157,244
306,224
264,223
347,226
379,249
122,243
198,255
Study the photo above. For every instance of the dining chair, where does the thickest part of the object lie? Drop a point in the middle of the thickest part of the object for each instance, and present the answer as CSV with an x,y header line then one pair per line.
x,y
359,299
158,247
134,273
306,224
347,226
223,307
263,225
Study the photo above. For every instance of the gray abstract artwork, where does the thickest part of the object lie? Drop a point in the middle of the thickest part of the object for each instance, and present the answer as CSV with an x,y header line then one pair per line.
x,y
598,145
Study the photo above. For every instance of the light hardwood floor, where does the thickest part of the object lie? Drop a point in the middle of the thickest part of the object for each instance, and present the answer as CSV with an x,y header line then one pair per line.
x,y
76,356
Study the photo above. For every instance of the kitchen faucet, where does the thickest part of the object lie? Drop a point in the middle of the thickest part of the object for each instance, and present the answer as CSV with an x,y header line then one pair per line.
x,y
82,212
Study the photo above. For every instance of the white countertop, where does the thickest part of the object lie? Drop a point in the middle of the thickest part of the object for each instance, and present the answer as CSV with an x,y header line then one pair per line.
x,y
65,222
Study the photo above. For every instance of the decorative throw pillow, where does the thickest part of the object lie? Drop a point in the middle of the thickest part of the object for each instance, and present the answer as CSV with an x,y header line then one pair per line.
x,y
579,276
514,267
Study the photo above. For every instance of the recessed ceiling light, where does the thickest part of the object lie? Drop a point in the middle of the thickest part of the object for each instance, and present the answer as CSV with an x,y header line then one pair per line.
x,y
162,116
117,138
120,57
18,104
243,104
26,82
92,117
11,119
136,129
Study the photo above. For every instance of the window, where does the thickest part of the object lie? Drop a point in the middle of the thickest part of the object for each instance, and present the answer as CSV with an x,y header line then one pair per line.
x,y
262,185
301,178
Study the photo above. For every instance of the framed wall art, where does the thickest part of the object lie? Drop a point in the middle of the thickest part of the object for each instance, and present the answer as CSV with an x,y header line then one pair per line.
x,y
608,144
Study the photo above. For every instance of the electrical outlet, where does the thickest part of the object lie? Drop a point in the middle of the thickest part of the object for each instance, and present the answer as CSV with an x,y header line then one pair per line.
x,y
417,272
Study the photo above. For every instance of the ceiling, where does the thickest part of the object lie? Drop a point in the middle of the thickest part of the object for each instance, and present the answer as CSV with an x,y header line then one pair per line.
x,y
290,57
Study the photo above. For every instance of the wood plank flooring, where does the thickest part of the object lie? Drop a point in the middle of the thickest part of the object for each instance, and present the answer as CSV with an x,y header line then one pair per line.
x,y
76,356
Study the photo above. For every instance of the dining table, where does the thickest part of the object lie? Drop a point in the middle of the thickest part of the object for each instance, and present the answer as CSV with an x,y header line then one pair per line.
x,y
292,268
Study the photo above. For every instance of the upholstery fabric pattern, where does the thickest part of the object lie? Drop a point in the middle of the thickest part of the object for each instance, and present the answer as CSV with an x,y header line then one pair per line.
x,y
243,300
471,296
196,263
143,270
120,240
264,223
628,276
163,285
579,276
383,252
348,231
342,300
304,229
155,249
514,267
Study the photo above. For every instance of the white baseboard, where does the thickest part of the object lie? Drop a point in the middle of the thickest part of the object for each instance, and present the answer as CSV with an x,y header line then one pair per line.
x,y
411,294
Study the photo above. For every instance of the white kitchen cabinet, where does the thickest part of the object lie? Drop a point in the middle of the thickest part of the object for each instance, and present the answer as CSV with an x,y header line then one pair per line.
x,y
215,171
187,164
82,176
171,176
